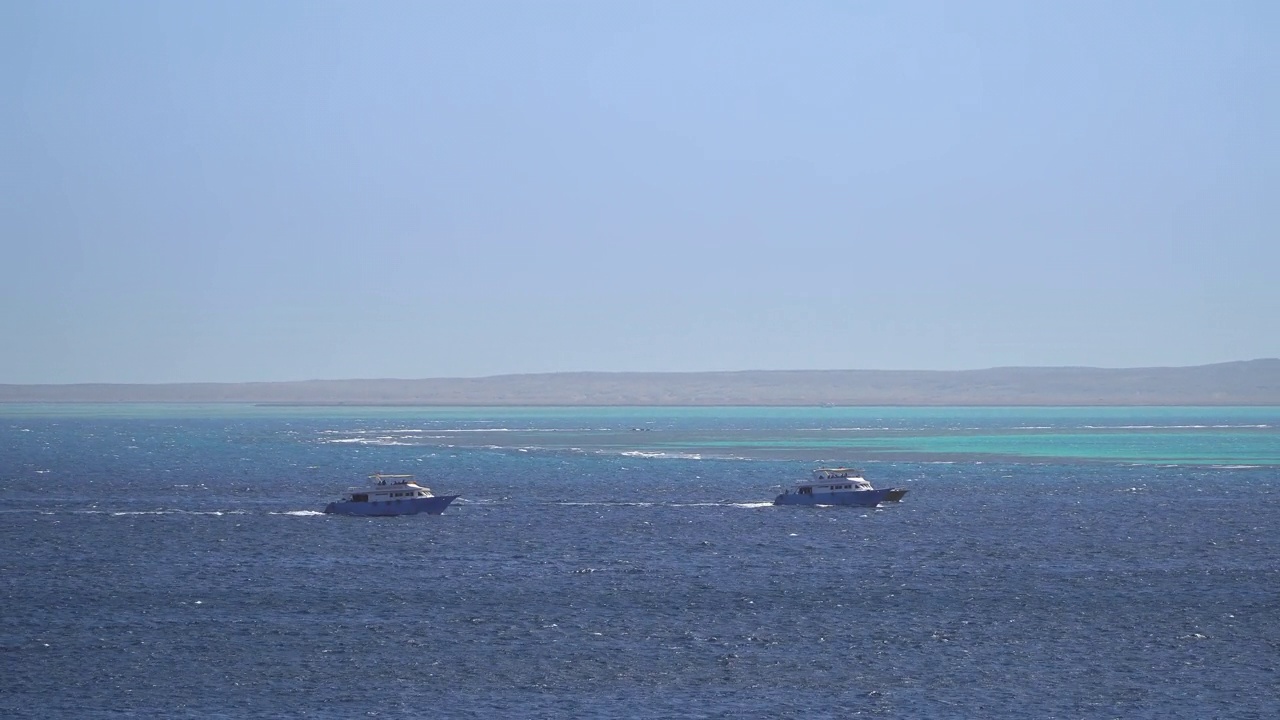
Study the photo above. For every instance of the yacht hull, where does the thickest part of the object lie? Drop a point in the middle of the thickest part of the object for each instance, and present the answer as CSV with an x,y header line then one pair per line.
x,y
402,506
856,498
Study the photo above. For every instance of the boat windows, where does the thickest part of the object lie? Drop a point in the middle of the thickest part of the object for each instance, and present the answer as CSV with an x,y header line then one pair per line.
x,y
359,497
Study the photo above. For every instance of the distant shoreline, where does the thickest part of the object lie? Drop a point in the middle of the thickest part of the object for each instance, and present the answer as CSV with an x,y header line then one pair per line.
x,y
1244,383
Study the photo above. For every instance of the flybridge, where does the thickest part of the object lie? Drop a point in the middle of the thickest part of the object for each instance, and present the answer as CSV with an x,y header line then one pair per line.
x,y
824,473
835,479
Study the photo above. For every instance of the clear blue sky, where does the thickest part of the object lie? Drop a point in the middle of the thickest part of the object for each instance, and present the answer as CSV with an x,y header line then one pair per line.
x,y
235,191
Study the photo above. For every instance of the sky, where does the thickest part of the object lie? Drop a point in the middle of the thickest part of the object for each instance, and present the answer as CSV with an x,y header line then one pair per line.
x,y
261,191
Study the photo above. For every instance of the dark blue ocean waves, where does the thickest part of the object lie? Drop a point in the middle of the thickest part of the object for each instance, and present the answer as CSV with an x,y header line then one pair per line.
x,y
170,566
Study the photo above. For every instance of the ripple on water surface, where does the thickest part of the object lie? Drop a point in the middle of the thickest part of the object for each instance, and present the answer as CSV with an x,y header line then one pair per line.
x,y
189,582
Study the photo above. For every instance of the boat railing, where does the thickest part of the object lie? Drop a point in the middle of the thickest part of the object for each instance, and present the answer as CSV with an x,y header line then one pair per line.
x,y
826,473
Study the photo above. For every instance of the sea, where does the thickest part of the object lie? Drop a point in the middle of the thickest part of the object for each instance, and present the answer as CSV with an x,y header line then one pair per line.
x,y
172,561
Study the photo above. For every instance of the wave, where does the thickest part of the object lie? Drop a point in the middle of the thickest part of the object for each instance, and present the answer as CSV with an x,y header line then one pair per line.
x,y
724,503
455,431
605,503
1177,427
134,513
853,428
751,505
1065,427
380,441
118,513
660,454
528,449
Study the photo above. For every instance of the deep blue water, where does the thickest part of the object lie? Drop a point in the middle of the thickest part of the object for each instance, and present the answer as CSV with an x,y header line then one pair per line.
x,y
625,563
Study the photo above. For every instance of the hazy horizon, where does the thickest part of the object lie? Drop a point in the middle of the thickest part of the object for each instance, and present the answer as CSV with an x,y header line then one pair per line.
x,y
262,192
670,372
1253,383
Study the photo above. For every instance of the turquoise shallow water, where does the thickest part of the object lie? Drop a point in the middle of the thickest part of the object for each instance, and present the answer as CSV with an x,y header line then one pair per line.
x,y
170,561
1179,435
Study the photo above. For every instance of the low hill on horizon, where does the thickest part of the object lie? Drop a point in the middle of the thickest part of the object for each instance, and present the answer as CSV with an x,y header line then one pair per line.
x,y
1252,382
